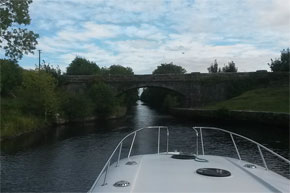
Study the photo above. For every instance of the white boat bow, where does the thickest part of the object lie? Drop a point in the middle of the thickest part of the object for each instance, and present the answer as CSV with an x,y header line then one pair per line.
x,y
178,172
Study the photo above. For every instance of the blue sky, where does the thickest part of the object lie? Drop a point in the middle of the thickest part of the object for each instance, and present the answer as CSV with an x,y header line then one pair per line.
x,y
142,34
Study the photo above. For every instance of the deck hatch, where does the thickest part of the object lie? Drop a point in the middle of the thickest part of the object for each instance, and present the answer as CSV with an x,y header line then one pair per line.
x,y
183,156
131,163
122,183
213,172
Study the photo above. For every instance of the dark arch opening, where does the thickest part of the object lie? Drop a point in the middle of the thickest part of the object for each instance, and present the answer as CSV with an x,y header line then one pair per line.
x,y
157,87
156,96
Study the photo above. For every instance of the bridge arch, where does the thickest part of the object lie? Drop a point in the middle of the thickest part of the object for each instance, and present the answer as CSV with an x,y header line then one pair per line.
x,y
198,88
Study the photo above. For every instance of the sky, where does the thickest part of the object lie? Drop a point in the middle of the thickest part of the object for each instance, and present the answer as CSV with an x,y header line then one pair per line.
x,y
142,34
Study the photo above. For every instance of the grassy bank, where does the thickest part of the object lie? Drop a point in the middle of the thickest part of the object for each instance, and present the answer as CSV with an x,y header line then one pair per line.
x,y
14,122
265,99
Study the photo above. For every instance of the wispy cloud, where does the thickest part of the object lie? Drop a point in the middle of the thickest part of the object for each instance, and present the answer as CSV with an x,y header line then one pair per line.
x,y
143,33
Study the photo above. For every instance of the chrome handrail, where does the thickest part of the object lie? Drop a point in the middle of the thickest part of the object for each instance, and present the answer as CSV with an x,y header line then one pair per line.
x,y
196,134
200,133
259,146
120,145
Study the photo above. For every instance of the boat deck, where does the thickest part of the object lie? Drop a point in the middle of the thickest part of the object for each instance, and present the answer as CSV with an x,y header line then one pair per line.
x,y
161,173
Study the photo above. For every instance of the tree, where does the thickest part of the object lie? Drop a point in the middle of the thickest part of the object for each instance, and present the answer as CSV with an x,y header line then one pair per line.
x,y
282,64
76,106
16,41
55,72
130,97
103,98
214,67
104,71
169,69
38,92
120,70
82,66
116,70
11,76
46,67
231,67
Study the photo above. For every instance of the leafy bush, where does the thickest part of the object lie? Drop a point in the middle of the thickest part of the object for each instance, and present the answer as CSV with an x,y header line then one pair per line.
x,y
54,72
76,106
103,99
11,76
38,92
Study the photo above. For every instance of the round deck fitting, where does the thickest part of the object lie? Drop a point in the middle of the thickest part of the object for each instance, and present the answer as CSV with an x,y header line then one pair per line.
x,y
251,166
131,163
122,183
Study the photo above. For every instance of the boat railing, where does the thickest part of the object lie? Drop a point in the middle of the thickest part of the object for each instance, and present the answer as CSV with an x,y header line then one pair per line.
x,y
198,132
232,134
120,146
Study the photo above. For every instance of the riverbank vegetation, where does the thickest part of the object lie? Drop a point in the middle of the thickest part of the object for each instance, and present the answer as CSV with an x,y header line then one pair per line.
x,y
34,99
272,99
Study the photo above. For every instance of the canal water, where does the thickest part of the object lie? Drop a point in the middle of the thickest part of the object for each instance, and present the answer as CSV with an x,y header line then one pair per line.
x,y
69,158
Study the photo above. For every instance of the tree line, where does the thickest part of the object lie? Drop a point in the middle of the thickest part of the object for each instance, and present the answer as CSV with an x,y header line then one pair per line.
x,y
231,67
166,99
281,64
31,99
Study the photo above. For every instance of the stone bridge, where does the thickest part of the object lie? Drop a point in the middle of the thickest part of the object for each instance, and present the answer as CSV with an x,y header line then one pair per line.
x,y
196,88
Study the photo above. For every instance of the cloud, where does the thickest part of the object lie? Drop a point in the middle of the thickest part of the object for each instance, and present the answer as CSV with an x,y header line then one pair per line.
x,y
142,34
144,31
89,31
273,14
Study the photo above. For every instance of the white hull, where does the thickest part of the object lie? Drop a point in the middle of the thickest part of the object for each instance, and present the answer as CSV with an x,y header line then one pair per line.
x,y
161,173
177,172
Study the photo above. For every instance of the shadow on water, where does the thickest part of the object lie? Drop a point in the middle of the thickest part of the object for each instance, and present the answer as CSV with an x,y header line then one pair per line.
x,y
68,158
55,134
